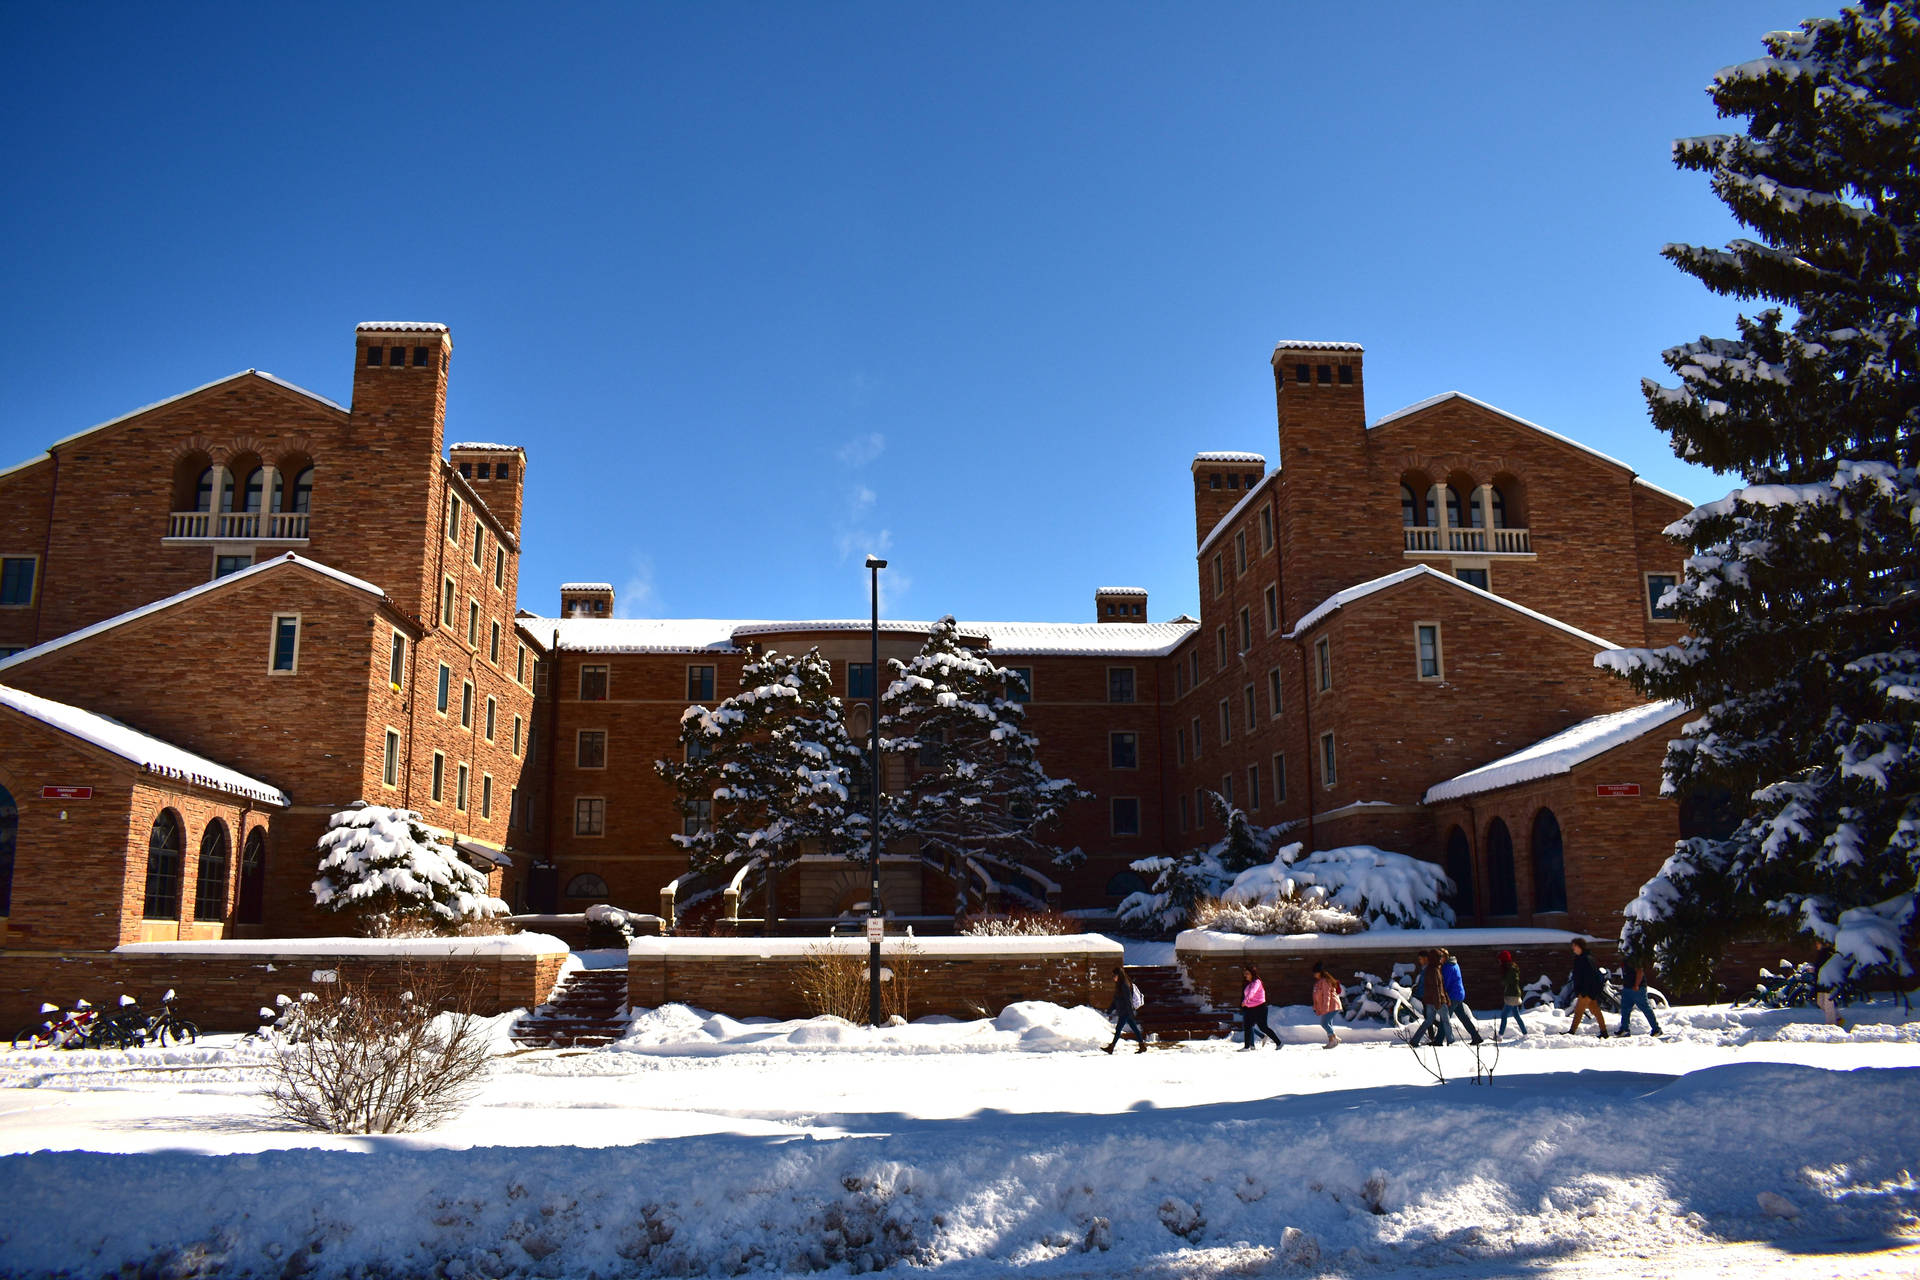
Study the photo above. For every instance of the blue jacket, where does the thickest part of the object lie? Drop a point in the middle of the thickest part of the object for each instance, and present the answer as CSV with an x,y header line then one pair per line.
x,y
1450,975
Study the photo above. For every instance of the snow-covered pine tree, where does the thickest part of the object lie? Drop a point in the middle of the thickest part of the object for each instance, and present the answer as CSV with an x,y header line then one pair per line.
x,y
768,772
391,871
976,784
1802,587
1180,882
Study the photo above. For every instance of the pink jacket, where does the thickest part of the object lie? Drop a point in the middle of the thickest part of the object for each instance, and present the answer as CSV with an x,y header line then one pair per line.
x,y
1326,995
1253,995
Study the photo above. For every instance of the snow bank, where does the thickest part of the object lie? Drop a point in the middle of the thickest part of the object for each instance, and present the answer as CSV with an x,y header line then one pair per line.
x,y
1407,940
953,948
506,944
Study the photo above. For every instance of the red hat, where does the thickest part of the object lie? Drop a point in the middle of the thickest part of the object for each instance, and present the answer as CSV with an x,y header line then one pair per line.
x,y
1506,957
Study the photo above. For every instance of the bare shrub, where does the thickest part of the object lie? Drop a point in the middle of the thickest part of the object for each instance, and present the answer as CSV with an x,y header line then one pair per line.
x,y
1290,915
834,983
370,1058
1021,924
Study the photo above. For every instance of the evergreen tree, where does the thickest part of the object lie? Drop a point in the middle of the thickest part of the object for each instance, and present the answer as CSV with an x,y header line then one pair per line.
x,y
976,785
393,872
1800,594
768,772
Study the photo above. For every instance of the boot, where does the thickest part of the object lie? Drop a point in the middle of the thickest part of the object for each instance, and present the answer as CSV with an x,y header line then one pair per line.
x,y
1142,1048
1109,1048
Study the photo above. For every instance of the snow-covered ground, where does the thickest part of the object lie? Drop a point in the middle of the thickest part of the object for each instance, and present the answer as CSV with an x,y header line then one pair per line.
x,y
1743,1143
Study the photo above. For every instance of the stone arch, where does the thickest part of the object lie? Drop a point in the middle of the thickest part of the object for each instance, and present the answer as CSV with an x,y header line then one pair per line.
x,y
166,852
212,872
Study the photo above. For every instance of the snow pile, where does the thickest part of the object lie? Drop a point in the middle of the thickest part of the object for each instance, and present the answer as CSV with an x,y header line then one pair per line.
x,y
388,866
1387,890
1031,1026
1291,910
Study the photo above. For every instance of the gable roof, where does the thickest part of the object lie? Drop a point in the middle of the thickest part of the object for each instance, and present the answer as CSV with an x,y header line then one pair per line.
x,y
1360,591
151,754
1560,752
181,597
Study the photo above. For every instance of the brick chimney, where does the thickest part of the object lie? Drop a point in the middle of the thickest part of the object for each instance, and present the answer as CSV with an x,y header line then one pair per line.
x,y
497,473
1220,479
586,599
1120,604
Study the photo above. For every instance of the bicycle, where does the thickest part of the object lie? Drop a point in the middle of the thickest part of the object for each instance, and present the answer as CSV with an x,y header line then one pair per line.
x,y
65,1032
126,1029
167,1026
1371,998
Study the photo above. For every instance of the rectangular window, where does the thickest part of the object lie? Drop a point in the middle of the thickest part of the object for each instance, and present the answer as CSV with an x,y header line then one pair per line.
x,y
1280,779
1219,574
1273,610
460,788
1427,645
1119,684
1220,643
698,818
516,735
493,710
1179,679
224,565
1186,813
1126,816
930,750
1240,552
1193,660
1266,529
16,580
493,644
446,603
1226,787
520,664
1273,693
1323,657
1253,786
590,816
1020,688
1328,774
479,544
590,749
1253,709
1658,584
499,566
1196,737
286,642
466,704
1226,721
473,625
439,777
390,760
397,662
698,750
486,795
1246,629
440,693
453,518
1179,746
1123,750
373,356
859,679
700,684
593,684
1473,578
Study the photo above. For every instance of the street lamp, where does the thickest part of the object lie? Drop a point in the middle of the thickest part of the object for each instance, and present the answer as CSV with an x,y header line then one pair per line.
x,y
876,926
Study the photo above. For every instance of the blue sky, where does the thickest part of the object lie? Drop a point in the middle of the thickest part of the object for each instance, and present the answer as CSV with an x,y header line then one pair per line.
x,y
763,287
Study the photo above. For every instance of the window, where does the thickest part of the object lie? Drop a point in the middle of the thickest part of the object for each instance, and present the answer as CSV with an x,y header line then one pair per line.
x,y
1253,786
210,878
1220,643
422,357
373,356
397,662
503,471
479,544
1328,774
466,704
1123,750
473,625
286,643
700,684
520,663
1325,373
587,886
1273,610
460,788
590,816
439,788
493,709
1427,644
1226,787
1219,574
1196,737
453,518
1473,578
1273,693
590,749
698,750
697,819
1280,778
1126,816
440,693
1179,746
1233,480
224,565
16,580
390,760
859,679
1240,552
593,684
1246,628
1346,375
1323,657
1253,708
164,845
1266,529
1186,813
1658,584
1020,687
1213,480
516,735
486,795
499,566
1549,864
1302,374
1503,895
1119,684
1413,508
493,644
1179,679
931,750
1226,722
302,495
1460,871
446,603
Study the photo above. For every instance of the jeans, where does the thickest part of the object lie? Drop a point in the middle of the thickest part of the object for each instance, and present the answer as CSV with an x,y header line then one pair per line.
x,y
1436,1023
1511,1009
1631,999
1465,1015
1253,1022
1124,1020
1326,1022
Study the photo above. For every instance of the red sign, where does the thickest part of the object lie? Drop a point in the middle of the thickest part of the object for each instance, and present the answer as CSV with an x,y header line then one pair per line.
x,y
66,793
1617,789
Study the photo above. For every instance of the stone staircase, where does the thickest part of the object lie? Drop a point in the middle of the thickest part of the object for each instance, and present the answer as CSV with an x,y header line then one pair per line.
x,y
587,1009
1172,1012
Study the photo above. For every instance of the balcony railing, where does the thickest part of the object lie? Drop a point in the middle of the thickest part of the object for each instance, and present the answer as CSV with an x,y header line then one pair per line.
x,y
239,526
1484,542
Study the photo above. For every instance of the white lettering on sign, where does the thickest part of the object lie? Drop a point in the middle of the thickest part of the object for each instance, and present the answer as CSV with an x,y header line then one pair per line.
x,y
66,793
1616,789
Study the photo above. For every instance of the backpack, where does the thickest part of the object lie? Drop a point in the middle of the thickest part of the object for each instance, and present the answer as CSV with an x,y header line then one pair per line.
x,y
1138,999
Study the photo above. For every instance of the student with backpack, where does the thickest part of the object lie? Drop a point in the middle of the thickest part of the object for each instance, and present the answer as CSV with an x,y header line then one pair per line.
x,y
1253,1009
1326,1001
1587,987
1511,994
1437,1024
1126,999
1457,993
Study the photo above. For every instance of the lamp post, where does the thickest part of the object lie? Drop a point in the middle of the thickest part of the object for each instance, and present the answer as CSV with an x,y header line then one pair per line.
x,y
876,926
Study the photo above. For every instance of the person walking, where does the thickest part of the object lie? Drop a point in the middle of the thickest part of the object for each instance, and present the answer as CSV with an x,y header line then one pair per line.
x,y
1122,1010
1326,1001
1253,1009
1433,998
1511,994
1586,989
1634,976
1823,995
1457,993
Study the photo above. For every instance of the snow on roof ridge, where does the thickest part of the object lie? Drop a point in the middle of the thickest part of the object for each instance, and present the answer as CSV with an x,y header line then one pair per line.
x,y
1665,493
399,326
717,635
497,448
155,755
1229,455
586,586
1311,344
1119,591
1560,752
181,597
1347,595
1549,432
1233,513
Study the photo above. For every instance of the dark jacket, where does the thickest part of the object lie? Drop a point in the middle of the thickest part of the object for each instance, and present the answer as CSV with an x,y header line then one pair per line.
x,y
1586,977
1433,990
1122,997
1510,982
1633,979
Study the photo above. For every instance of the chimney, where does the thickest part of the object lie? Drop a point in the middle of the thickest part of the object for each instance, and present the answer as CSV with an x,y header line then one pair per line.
x,y
1220,479
1120,604
586,599
497,473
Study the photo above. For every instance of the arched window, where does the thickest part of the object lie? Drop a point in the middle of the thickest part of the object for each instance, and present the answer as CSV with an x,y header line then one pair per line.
x,y
1412,509
210,885
1454,506
1460,871
1503,895
1549,864
1499,508
252,488
587,886
164,844
1126,883
303,490
9,832
252,907
1477,513
203,491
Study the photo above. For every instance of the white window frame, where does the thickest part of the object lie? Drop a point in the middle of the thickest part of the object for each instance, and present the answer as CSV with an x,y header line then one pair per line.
x,y
443,680
390,759
1246,628
1274,685
606,688
453,518
397,661
493,643
1323,662
473,623
516,735
715,681
1266,529
1439,655
579,734
466,704
1329,761
486,796
520,663
493,712
1273,609
437,780
1133,682
479,545
460,781
1647,597
273,644
578,834
449,594
499,566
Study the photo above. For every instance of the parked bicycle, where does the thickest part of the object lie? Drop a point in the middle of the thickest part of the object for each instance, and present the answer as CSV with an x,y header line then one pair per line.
x,y
167,1026
57,1030
1371,998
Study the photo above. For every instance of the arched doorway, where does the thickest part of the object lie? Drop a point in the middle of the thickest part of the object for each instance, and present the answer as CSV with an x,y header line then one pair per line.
x,y
9,833
252,907
1460,871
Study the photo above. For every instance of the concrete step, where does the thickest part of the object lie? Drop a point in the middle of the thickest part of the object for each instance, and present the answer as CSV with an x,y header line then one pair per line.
x,y
589,1007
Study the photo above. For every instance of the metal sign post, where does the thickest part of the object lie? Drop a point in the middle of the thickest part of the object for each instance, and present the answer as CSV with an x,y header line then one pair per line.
x,y
876,925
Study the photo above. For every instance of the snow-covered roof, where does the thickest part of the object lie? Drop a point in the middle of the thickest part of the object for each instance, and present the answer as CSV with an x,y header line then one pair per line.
x,y
479,447
181,597
1083,639
586,586
638,635
1307,344
1645,483
150,753
1348,595
400,326
1234,513
1121,591
1228,455
1004,639
502,944
161,404
892,626
1559,753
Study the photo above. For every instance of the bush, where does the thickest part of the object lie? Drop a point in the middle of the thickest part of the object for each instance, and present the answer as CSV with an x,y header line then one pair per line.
x,y
392,872
1021,924
360,1058
1303,912
834,983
